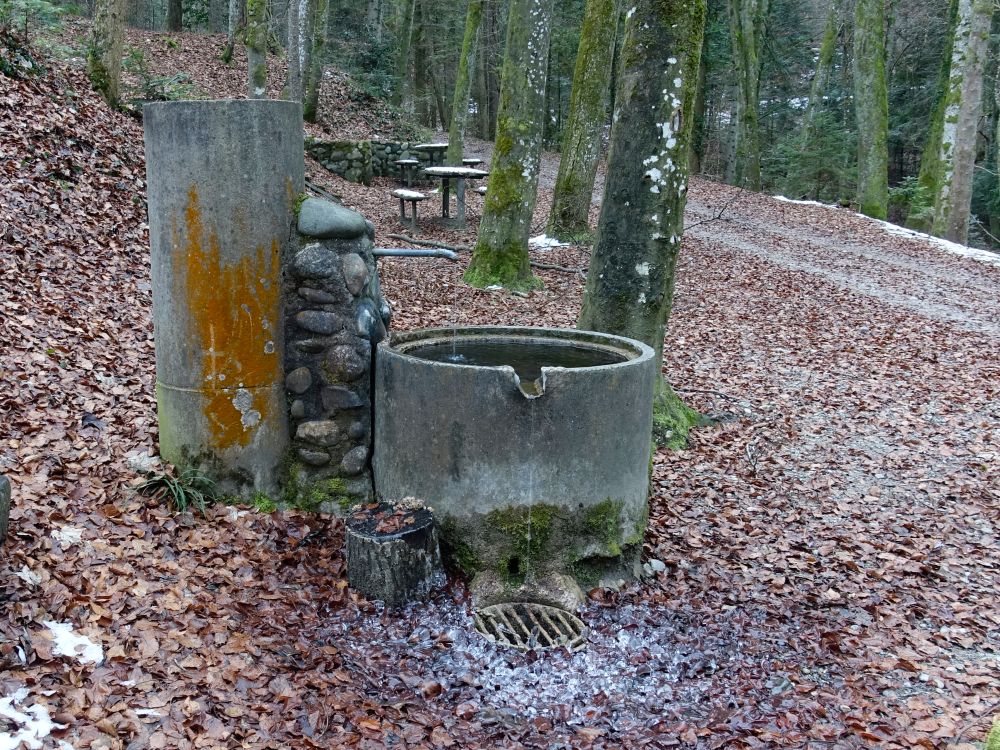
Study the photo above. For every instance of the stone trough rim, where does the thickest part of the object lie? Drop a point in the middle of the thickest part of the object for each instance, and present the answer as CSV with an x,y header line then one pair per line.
x,y
636,352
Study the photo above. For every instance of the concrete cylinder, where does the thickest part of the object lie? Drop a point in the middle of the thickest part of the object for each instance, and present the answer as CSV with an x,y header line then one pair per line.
x,y
532,474
222,179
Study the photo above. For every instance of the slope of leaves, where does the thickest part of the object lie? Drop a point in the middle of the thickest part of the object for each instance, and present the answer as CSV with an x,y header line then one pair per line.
x,y
830,549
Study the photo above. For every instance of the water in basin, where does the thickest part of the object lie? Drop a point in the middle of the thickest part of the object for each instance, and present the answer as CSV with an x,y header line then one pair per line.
x,y
526,357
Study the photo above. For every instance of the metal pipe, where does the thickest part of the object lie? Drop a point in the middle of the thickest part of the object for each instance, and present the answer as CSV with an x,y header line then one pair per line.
x,y
414,252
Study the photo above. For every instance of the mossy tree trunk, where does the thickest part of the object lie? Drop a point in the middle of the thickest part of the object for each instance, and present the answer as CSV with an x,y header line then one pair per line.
x,y
104,52
871,105
501,252
747,27
963,106
293,78
404,31
463,83
237,9
317,47
175,13
630,282
255,38
588,102
920,212
824,66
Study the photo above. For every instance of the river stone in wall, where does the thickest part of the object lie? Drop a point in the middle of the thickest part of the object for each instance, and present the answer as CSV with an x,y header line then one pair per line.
x,y
334,312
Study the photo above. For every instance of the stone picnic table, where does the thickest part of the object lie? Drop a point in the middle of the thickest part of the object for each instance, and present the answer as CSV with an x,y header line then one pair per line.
x,y
435,151
459,175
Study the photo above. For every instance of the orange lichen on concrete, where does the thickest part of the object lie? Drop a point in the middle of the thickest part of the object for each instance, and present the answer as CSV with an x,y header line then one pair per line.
x,y
232,315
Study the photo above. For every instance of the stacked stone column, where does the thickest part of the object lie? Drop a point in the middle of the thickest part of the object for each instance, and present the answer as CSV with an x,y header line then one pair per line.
x,y
334,315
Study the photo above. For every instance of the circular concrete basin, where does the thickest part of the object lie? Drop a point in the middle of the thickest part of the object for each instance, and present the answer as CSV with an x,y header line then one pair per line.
x,y
532,445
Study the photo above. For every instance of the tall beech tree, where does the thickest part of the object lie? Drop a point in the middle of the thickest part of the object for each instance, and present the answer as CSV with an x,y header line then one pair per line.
x,y
404,30
104,50
175,12
963,106
463,83
293,79
747,19
588,102
255,39
501,252
921,209
871,106
630,282
824,67
317,33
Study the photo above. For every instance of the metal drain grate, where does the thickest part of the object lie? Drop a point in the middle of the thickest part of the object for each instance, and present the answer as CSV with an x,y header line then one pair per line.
x,y
527,626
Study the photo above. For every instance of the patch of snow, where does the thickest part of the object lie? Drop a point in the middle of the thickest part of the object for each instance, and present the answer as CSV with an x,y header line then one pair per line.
x,y
34,723
801,203
983,256
68,643
408,194
543,241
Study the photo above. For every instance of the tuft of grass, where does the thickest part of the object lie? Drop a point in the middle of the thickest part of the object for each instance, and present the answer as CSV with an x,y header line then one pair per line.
x,y
188,489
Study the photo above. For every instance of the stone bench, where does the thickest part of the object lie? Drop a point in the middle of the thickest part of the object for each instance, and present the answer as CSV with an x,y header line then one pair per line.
x,y
413,198
472,161
481,190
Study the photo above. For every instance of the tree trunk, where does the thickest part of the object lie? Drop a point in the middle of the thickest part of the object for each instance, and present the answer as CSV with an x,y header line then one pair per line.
x,y
824,66
871,104
746,25
501,252
373,18
699,132
319,17
463,83
963,105
419,47
237,8
920,212
293,79
581,143
175,13
104,53
630,281
403,33
395,558
255,38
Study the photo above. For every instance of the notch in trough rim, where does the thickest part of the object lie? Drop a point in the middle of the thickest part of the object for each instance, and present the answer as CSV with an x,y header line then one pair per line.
x,y
528,626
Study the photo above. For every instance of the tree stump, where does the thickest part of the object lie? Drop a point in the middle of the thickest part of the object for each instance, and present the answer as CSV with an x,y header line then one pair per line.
x,y
392,553
4,507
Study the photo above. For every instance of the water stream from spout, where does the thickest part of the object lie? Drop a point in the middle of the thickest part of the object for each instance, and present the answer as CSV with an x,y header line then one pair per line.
x,y
531,484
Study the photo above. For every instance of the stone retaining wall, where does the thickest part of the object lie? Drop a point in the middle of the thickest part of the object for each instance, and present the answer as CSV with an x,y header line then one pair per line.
x,y
334,315
359,161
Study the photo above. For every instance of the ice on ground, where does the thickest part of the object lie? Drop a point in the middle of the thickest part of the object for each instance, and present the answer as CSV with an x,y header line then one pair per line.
x,y
68,643
983,256
33,724
543,241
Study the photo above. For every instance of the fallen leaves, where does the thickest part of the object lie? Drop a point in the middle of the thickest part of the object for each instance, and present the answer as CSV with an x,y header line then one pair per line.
x,y
830,549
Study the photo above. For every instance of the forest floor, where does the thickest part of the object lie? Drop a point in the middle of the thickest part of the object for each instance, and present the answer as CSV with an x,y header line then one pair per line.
x,y
831,548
